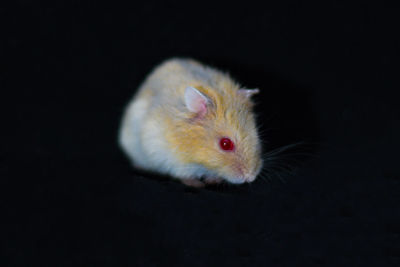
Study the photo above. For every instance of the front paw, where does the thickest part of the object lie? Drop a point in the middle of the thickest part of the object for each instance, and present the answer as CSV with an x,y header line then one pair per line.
x,y
213,180
192,182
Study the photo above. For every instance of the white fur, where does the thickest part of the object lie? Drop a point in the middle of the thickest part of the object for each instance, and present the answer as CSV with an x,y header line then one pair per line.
x,y
141,136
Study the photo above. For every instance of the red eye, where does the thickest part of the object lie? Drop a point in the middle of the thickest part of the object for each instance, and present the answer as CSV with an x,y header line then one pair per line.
x,y
226,144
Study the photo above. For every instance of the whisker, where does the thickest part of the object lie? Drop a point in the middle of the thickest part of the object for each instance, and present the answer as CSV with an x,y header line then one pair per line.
x,y
285,160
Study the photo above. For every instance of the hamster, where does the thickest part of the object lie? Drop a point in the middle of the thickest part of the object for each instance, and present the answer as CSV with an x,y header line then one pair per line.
x,y
194,123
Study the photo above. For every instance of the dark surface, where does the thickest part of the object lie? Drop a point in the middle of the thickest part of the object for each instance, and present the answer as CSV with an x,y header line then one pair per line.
x,y
328,75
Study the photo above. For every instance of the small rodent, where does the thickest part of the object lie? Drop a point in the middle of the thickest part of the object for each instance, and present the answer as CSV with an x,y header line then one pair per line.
x,y
194,123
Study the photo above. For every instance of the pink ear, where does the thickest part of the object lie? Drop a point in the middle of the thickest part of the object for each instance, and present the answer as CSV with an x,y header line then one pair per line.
x,y
195,101
248,92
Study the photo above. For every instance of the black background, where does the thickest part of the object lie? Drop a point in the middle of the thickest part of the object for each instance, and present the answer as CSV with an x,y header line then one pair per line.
x,y
328,73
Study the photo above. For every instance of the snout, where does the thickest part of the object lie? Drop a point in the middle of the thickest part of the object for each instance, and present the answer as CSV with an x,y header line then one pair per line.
x,y
246,175
249,178
241,179
240,174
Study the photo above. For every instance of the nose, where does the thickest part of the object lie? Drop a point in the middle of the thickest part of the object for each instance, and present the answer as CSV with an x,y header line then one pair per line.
x,y
249,178
245,175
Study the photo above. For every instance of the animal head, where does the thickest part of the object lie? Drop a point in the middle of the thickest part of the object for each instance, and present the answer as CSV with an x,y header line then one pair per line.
x,y
216,129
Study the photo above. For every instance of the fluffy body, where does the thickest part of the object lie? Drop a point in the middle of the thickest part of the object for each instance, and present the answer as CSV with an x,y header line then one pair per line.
x,y
159,133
